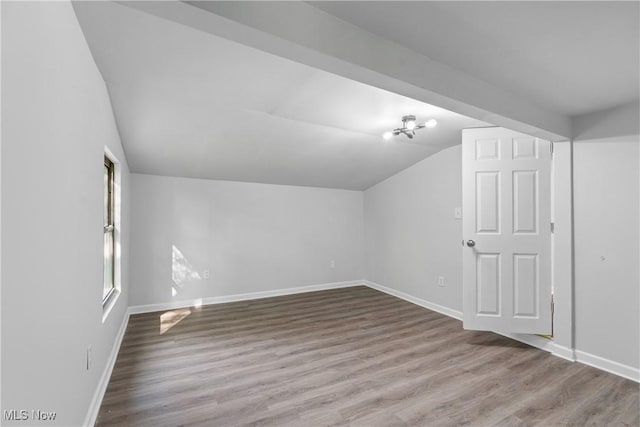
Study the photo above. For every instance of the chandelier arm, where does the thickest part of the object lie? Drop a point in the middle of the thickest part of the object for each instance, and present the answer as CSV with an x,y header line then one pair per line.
x,y
409,132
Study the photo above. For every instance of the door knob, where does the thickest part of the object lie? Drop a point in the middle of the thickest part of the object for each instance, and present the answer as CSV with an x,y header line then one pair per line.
x,y
471,243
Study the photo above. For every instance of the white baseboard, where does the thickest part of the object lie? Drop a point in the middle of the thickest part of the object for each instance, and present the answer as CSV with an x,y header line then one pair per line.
x,y
96,401
542,343
149,308
537,341
564,352
607,365
533,340
418,301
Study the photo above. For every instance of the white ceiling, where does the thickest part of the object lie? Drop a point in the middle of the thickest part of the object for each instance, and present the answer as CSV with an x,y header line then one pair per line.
x,y
196,93
571,57
195,105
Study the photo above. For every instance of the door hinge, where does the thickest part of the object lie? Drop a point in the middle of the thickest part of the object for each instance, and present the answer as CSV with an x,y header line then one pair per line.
x,y
553,227
553,307
551,148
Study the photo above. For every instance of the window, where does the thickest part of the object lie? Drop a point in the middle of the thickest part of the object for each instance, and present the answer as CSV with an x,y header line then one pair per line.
x,y
109,230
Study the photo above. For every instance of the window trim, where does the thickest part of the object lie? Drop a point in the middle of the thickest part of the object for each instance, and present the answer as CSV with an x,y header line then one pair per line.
x,y
109,227
113,226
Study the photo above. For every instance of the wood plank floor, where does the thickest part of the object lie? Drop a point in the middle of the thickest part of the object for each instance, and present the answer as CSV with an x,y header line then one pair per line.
x,y
352,356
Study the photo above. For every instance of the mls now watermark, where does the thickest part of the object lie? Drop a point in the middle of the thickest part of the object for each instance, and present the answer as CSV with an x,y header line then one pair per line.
x,y
28,415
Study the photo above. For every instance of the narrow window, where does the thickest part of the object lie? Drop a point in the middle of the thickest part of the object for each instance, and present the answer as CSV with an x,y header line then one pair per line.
x,y
109,230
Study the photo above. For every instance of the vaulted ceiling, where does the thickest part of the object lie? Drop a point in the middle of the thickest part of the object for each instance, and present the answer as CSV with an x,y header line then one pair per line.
x,y
250,91
196,105
572,57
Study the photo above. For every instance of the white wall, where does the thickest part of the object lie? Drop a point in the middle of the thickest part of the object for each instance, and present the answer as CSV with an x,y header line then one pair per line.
x,y
411,236
606,163
251,237
56,122
607,281
623,120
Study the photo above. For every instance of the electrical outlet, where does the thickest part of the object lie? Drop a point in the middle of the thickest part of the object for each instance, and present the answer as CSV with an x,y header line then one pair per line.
x,y
441,281
332,264
457,213
89,356
206,274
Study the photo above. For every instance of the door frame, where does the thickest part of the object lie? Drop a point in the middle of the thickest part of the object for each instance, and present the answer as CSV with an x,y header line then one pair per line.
x,y
562,266
562,344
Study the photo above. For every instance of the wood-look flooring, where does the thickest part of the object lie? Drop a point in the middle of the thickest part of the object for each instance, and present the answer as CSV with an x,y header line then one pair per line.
x,y
352,356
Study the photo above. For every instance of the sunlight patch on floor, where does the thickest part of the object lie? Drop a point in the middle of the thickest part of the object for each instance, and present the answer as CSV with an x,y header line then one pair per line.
x,y
171,318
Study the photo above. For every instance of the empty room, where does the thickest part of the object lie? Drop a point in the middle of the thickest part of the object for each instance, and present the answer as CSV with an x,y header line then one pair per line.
x,y
319,213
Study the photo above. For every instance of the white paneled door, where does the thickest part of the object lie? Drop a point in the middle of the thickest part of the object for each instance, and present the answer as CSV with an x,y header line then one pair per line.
x,y
506,205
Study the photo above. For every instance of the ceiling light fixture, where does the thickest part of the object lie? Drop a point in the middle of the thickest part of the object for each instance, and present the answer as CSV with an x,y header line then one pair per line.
x,y
431,123
409,127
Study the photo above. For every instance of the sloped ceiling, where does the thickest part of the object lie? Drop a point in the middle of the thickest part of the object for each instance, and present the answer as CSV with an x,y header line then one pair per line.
x,y
203,89
192,104
570,57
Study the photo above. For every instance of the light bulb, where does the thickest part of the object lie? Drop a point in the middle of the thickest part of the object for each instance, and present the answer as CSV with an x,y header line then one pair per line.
x,y
431,123
411,124
387,135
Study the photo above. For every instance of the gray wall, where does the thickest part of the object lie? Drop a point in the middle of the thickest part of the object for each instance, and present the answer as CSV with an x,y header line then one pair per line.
x,y
251,237
606,165
53,139
607,254
411,236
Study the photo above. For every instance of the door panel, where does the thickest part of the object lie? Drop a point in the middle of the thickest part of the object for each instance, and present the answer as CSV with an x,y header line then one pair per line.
x,y
525,202
525,148
525,284
488,202
488,284
487,149
507,214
